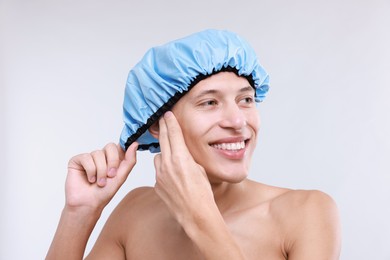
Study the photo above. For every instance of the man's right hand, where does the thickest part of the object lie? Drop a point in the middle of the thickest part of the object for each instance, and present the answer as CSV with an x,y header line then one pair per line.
x,y
94,178
92,181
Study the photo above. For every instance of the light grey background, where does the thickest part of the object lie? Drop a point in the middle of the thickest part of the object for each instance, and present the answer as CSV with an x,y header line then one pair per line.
x,y
325,123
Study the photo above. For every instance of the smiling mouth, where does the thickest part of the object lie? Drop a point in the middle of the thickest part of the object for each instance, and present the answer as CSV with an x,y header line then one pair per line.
x,y
236,146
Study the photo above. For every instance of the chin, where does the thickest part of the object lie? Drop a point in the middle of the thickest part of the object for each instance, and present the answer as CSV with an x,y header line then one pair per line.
x,y
227,174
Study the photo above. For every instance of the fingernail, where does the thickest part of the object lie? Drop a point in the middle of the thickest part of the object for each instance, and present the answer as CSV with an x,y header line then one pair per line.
x,y
168,114
135,145
92,179
111,172
102,182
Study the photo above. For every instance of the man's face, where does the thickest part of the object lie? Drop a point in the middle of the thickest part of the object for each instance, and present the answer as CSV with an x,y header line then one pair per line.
x,y
219,120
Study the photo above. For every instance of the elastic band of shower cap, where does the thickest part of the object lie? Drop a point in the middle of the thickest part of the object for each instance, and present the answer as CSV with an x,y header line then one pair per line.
x,y
167,72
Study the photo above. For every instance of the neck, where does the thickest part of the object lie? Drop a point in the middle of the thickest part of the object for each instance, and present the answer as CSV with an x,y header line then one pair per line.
x,y
227,195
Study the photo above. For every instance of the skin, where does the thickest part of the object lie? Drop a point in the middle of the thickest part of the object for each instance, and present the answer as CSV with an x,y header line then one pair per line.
x,y
202,206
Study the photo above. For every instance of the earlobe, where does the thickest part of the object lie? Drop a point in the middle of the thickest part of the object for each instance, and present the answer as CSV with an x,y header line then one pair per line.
x,y
154,130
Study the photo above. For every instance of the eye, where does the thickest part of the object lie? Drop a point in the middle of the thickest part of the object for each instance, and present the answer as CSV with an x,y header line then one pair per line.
x,y
247,100
208,103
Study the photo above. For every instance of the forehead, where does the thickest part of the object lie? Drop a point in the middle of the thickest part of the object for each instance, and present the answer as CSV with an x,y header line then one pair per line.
x,y
221,82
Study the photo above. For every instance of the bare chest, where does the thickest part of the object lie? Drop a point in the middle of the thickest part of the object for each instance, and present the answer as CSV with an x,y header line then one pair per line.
x,y
162,238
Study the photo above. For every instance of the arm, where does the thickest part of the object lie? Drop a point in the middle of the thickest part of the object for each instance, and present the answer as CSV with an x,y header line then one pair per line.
x,y
92,181
72,234
182,183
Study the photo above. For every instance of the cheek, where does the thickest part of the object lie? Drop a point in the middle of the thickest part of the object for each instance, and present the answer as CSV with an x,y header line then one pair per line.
x,y
194,133
253,120
192,130
188,127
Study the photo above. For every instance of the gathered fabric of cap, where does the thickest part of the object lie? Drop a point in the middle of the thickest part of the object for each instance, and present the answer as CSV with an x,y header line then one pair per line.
x,y
167,72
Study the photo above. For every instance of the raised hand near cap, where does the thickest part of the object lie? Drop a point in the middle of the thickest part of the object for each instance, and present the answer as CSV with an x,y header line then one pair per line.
x,y
180,182
94,178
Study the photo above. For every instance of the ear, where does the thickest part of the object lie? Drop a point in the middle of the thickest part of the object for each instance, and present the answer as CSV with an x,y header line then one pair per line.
x,y
154,130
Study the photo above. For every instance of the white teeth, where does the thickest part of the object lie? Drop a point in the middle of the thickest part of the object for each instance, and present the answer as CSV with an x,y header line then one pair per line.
x,y
230,146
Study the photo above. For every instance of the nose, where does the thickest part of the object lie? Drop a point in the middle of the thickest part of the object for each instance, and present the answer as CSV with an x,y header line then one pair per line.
x,y
232,117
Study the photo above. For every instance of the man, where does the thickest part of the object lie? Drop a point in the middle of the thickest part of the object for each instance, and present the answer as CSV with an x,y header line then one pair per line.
x,y
194,100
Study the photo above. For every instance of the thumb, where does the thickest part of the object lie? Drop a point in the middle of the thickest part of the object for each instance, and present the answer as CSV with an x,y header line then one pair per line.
x,y
128,162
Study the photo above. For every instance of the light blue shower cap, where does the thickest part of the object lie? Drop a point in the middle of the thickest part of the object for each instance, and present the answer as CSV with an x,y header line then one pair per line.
x,y
169,71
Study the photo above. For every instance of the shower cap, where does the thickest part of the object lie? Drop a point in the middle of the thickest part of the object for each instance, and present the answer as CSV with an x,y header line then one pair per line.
x,y
167,72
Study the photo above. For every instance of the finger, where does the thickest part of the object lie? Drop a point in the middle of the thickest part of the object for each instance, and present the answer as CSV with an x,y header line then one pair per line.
x,y
112,157
121,152
175,135
157,163
127,163
99,159
157,167
84,162
163,138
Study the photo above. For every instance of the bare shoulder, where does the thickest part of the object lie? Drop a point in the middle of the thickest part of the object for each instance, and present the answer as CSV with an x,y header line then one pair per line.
x,y
295,203
111,241
136,202
304,207
306,200
138,194
310,221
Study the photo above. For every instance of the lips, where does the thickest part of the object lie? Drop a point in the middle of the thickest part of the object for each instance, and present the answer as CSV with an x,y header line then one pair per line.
x,y
232,146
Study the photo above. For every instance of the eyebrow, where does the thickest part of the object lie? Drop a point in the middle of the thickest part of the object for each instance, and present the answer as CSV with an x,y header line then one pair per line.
x,y
215,91
247,88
